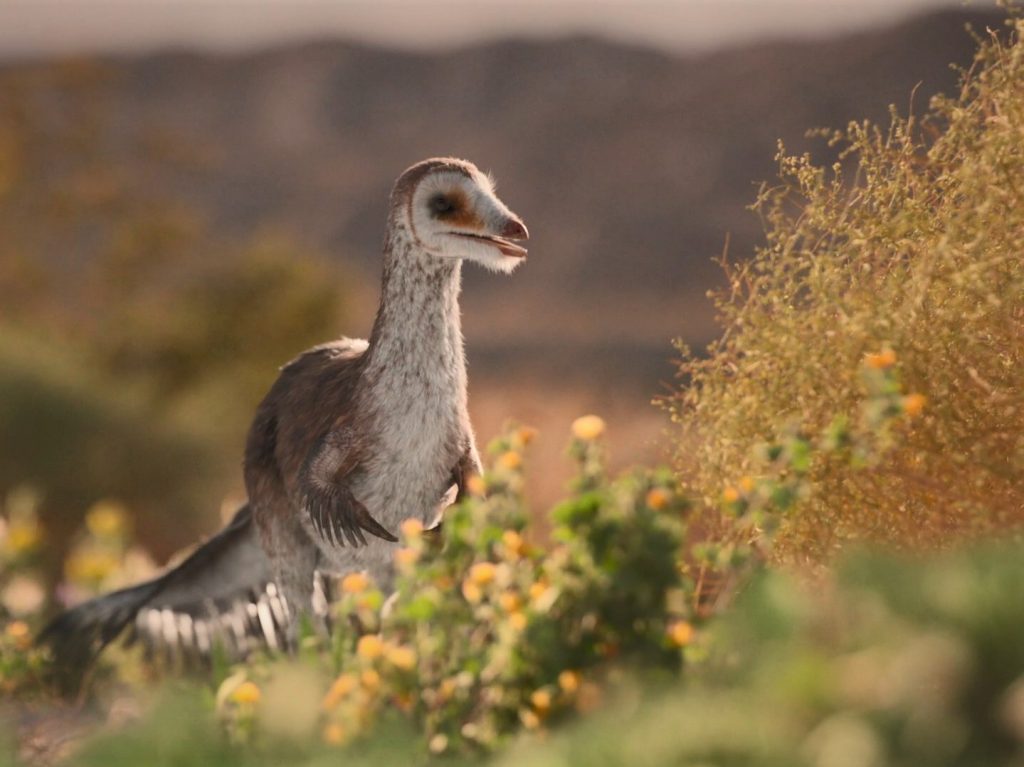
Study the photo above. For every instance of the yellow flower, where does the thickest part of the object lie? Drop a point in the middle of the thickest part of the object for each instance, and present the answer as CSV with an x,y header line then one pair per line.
x,y
747,483
529,719
412,529
482,573
334,734
525,434
355,583
730,494
471,592
90,565
340,690
658,498
370,680
537,590
588,427
680,633
447,688
913,404
18,632
403,658
541,701
438,744
513,543
476,485
510,601
406,557
106,520
23,536
369,647
881,360
247,693
569,681
517,620
510,460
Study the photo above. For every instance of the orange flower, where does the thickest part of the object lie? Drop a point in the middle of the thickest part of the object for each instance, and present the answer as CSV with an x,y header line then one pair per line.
x,y
913,404
334,734
471,592
342,687
405,558
882,360
369,647
588,427
541,701
658,498
482,573
510,460
517,620
355,583
370,680
247,693
412,529
569,681
730,494
680,633
403,658
510,601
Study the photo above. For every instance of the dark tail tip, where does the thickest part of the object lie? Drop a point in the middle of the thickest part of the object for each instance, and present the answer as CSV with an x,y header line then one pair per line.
x,y
77,636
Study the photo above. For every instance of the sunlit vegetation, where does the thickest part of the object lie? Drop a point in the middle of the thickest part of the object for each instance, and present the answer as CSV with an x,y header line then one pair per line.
x,y
728,611
909,248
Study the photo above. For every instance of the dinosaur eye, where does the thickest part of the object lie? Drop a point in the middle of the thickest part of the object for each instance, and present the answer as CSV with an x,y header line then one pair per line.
x,y
441,204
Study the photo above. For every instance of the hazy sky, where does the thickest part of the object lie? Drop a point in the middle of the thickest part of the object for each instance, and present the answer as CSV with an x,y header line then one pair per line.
x,y
42,26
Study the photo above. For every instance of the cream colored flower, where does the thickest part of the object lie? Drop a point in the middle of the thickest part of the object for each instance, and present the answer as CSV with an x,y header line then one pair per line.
x,y
588,427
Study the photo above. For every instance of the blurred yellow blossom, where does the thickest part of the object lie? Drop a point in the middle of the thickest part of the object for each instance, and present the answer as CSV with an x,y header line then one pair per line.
x,y
747,484
401,657
541,700
370,680
342,687
913,404
529,719
569,681
412,529
476,485
510,460
881,360
355,583
438,744
517,620
588,427
18,631
406,557
369,647
510,601
23,534
247,693
334,734
90,565
680,633
525,435
482,573
106,519
471,592
658,498
730,494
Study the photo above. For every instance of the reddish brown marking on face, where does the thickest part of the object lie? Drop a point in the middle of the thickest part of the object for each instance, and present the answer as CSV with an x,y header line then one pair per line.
x,y
461,214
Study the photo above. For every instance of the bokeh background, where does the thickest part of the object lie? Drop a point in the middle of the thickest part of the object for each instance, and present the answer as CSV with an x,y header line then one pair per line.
x,y
193,192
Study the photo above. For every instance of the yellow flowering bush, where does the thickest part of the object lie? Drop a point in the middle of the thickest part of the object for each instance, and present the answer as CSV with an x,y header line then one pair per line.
x,y
902,259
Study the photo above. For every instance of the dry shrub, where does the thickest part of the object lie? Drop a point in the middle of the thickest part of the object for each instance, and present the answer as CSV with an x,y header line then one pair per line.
x,y
913,242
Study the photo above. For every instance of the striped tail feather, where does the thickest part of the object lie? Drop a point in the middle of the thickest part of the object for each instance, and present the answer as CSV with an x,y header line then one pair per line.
x,y
220,597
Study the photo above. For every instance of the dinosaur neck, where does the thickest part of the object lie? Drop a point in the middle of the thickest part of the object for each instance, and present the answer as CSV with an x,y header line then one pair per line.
x,y
416,343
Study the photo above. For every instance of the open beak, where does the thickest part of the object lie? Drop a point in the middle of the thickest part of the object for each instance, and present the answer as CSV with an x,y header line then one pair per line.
x,y
514,229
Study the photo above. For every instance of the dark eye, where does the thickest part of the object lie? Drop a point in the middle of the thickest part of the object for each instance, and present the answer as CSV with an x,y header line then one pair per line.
x,y
441,204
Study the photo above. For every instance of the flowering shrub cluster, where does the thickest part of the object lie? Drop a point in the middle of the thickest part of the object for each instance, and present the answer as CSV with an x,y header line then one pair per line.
x,y
488,633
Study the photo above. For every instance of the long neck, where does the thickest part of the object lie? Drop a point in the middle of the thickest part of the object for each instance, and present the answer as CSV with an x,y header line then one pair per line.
x,y
417,337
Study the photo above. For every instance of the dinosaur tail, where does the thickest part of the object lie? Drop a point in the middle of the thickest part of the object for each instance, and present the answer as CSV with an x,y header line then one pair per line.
x,y
220,595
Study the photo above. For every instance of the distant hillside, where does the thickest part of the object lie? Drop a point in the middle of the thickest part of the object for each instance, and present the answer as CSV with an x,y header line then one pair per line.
x,y
629,166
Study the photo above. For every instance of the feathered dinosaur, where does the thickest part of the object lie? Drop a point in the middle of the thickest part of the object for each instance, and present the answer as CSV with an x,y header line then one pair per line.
x,y
353,438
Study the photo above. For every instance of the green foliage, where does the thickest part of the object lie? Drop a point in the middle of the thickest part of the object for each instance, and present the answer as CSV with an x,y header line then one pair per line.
x,y
897,663
910,245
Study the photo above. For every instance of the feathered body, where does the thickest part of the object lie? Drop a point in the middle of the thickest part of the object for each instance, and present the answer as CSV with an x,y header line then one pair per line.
x,y
353,438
